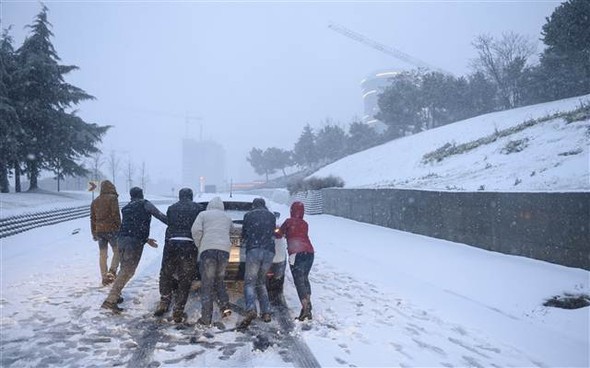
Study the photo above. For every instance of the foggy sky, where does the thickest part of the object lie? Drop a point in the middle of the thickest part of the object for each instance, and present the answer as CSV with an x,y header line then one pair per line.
x,y
255,72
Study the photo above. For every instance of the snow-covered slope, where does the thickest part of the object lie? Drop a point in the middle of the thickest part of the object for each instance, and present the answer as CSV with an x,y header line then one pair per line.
x,y
554,155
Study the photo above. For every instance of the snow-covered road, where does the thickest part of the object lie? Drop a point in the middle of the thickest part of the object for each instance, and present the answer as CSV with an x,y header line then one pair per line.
x,y
381,298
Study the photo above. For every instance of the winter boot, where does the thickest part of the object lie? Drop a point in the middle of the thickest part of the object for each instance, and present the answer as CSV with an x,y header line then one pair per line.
x,y
108,278
250,316
225,311
266,317
162,307
201,322
305,309
179,316
113,307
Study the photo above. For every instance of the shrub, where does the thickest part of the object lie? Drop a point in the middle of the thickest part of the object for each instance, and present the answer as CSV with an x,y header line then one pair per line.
x,y
314,183
515,146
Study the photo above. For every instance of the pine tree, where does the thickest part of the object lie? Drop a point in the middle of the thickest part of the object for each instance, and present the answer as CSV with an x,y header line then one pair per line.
x,y
278,159
565,62
331,143
401,104
9,122
481,95
304,151
256,160
360,137
44,99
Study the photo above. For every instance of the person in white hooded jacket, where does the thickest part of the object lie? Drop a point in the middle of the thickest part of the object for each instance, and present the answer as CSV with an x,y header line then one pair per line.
x,y
211,233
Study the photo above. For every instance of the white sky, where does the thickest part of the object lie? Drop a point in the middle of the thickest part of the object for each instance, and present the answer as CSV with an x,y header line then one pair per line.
x,y
380,297
255,72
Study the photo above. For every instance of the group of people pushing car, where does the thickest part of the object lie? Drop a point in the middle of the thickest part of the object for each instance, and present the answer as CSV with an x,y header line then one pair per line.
x,y
198,236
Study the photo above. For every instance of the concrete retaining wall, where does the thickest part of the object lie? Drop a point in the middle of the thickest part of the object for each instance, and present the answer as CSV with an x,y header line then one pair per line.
x,y
553,227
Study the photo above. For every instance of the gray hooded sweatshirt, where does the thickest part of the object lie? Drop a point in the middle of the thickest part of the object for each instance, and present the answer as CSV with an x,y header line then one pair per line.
x,y
212,227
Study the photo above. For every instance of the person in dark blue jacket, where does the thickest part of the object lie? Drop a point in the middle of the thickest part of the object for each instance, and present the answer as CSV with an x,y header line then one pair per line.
x,y
133,235
258,237
179,261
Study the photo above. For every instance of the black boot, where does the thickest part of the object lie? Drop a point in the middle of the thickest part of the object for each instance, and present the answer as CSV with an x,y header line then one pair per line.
x,y
250,316
112,306
162,307
179,316
225,311
305,309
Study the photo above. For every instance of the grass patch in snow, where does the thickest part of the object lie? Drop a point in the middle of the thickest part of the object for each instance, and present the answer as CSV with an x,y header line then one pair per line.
x,y
568,301
449,149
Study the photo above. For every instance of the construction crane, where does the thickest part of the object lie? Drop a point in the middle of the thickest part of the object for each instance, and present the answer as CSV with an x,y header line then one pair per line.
x,y
384,48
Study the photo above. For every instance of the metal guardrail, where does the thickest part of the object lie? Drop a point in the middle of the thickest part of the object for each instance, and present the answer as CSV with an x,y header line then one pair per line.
x,y
17,224
13,225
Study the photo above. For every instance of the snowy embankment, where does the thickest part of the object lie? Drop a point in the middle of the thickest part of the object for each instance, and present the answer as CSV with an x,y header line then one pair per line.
x,y
549,156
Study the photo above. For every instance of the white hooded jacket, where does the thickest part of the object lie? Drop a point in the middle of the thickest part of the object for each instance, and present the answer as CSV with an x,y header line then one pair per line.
x,y
212,227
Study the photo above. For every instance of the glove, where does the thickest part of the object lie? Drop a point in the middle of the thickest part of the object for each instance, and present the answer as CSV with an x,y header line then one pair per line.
x,y
152,243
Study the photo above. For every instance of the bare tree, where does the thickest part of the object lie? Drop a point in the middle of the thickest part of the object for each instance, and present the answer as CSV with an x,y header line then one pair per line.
x,y
129,172
144,177
96,162
503,61
114,163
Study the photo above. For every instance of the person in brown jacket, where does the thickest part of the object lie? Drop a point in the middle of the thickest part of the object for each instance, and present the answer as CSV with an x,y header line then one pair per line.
x,y
105,221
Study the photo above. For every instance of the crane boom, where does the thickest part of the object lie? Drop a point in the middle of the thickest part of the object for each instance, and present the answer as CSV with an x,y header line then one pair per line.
x,y
384,48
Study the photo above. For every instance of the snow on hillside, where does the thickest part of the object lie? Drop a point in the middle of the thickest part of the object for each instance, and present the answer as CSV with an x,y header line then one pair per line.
x,y
554,155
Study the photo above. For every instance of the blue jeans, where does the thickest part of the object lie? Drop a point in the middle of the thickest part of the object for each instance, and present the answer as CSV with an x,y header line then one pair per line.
x,y
258,262
212,267
300,271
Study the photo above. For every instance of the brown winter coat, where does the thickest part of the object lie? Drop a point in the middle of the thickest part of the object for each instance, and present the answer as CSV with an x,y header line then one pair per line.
x,y
104,211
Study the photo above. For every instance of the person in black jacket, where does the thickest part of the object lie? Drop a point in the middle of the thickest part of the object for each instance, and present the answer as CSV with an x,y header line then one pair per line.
x,y
179,261
133,234
258,238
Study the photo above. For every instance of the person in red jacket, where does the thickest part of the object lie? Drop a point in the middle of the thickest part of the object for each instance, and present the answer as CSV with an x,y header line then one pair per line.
x,y
301,254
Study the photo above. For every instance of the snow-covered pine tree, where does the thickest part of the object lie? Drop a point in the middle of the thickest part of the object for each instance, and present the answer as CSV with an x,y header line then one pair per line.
x,y
56,137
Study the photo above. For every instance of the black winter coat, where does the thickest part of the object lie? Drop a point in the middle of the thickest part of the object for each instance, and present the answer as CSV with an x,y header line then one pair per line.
x,y
258,229
181,216
137,216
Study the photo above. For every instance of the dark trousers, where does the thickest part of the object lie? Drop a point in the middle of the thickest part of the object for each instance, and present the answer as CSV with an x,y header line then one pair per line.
x,y
212,267
179,262
300,271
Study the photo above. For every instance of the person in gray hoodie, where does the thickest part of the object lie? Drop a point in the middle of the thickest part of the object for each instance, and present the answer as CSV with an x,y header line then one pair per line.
x,y
211,233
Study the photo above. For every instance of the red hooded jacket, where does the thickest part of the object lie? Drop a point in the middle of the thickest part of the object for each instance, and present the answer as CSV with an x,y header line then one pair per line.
x,y
295,230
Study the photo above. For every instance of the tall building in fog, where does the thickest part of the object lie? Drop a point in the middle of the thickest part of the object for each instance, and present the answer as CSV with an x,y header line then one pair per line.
x,y
203,164
371,87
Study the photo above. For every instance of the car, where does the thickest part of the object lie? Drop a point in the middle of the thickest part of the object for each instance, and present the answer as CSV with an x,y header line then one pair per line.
x,y
234,273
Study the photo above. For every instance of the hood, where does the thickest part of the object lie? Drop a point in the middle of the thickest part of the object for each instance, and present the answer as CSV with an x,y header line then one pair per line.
x,y
215,204
258,203
186,194
297,210
106,187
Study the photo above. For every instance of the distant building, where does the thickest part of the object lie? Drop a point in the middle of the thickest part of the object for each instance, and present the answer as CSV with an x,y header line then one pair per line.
x,y
203,164
373,85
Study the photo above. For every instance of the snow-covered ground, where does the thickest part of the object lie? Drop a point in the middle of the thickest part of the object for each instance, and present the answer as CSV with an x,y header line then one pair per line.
x,y
555,155
381,297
